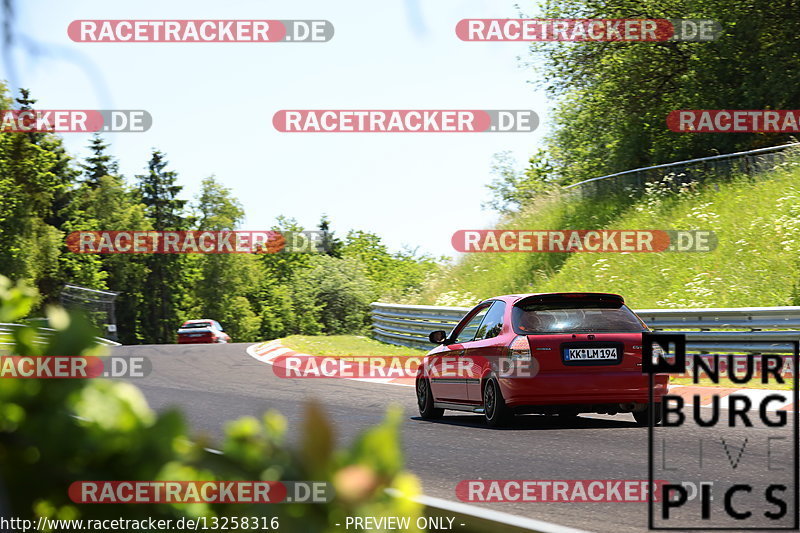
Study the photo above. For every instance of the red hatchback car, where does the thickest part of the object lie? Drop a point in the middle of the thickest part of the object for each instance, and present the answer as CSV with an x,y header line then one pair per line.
x,y
202,331
558,354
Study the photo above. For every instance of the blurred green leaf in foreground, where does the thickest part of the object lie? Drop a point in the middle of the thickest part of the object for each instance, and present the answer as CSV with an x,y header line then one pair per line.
x,y
57,431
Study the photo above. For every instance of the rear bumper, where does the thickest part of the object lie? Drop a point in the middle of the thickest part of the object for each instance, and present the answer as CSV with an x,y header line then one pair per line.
x,y
197,341
561,388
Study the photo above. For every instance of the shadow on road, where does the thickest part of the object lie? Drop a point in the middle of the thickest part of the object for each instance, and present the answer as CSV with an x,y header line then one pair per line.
x,y
534,422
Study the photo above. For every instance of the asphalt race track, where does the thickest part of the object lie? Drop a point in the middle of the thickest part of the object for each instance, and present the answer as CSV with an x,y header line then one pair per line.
x,y
215,383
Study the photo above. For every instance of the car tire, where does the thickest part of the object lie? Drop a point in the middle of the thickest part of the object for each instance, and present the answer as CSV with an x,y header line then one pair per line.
x,y
495,410
425,401
642,416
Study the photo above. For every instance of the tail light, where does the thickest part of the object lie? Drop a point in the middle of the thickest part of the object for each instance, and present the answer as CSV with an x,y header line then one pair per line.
x,y
520,349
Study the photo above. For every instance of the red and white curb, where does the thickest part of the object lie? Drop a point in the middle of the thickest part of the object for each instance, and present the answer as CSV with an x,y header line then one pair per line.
x,y
268,351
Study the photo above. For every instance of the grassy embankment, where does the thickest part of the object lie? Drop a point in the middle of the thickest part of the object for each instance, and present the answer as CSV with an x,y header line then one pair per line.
x,y
756,263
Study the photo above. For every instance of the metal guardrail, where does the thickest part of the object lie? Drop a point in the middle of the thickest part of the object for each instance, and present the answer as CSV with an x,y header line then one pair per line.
x,y
42,334
737,329
693,170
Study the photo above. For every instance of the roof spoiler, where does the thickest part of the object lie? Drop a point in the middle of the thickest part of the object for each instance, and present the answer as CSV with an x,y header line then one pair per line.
x,y
571,297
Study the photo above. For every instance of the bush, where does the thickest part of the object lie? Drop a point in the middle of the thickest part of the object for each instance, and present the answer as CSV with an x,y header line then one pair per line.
x,y
60,431
332,296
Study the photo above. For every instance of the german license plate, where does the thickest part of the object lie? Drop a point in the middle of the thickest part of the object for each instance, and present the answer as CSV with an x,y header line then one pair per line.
x,y
590,354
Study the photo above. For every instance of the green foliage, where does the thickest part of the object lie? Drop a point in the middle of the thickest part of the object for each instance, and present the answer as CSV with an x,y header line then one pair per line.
x,y
332,296
278,267
226,283
112,205
159,193
612,98
243,324
330,242
611,103
396,276
16,300
277,311
168,285
99,164
511,189
35,178
315,294
216,207
60,431
755,263
46,196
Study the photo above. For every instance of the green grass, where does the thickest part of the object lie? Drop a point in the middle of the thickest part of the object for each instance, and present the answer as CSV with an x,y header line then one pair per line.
x,y
345,345
756,262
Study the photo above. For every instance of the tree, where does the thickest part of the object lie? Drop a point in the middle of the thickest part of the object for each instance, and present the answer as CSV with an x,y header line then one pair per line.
x,y
159,193
511,189
228,283
278,267
276,303
98,164
395,276
37,180
331,244
104,201
167,281
332,296
612,98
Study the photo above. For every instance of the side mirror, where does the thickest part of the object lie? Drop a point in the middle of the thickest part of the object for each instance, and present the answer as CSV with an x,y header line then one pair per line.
x,y
438,336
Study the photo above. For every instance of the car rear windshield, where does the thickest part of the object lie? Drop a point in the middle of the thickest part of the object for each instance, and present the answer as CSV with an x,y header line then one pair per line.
x,y
573,317
196,325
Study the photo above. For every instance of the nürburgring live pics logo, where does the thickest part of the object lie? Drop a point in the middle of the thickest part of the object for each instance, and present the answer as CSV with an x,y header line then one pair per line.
x,y
730,461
